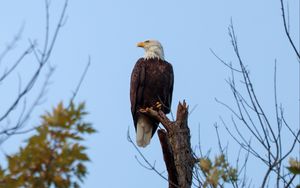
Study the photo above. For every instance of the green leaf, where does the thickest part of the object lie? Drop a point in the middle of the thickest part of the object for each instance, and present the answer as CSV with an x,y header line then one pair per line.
x,y
85,128
294,166
294,170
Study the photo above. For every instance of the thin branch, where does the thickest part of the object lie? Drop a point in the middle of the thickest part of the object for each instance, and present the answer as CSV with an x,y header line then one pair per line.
x,y
150,166
14,66
24,118
81,78
290,182
287,31
12,44
229,65
42,60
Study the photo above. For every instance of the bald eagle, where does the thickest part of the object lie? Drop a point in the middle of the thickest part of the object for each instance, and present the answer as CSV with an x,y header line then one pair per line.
x,y
151,86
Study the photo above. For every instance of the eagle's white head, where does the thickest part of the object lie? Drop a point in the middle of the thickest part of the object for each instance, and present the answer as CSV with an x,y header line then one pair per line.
x,y
153,49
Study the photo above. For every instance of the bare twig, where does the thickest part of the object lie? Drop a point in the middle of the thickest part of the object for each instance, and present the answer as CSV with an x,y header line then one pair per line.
x,y
286,29
42,56
12,44
81,79
252,115
149,165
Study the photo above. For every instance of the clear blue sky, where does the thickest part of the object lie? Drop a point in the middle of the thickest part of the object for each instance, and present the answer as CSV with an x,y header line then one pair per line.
x,y
109,30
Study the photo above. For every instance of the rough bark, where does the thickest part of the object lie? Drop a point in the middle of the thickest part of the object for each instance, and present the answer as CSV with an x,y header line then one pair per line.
x,y
177,147
168,158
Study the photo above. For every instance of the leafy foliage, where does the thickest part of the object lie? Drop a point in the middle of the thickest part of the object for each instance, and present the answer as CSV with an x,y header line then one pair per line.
x,y
54,155
217,171
294,167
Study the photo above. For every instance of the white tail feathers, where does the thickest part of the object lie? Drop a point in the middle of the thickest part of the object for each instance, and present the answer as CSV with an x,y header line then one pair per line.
x,y
144,131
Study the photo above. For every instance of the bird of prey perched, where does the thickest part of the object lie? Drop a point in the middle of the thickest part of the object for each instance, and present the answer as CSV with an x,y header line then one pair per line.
x,y
151,86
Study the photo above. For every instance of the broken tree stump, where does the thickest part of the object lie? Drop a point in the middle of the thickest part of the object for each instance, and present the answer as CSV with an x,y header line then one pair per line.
x,y
176,146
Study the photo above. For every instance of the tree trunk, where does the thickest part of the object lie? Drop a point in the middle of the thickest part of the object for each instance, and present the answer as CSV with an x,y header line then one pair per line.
x,y
176,146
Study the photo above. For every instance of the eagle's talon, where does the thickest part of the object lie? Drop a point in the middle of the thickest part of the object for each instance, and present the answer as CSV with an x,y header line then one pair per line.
x,y
149,109
143,110
158,105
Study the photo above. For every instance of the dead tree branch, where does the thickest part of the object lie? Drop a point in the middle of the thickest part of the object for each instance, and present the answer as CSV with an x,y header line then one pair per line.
x,y
168,158
147,164
287,32
42,57
251,114
178,142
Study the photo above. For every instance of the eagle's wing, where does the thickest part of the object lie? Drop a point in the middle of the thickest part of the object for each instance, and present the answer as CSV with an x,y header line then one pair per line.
x,y
170,94
136,87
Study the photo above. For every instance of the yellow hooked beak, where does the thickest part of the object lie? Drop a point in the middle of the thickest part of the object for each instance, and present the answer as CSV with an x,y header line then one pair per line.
x,y
141,44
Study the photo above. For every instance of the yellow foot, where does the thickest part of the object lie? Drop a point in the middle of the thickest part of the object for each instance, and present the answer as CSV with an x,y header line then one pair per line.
x,y
144,110
158,105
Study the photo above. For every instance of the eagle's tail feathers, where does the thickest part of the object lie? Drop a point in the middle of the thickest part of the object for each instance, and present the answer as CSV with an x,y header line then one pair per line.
x,y
144,132
140,135
147,133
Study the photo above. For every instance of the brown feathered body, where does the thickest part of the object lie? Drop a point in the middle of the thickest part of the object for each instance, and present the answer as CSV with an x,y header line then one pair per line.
x,y
151,82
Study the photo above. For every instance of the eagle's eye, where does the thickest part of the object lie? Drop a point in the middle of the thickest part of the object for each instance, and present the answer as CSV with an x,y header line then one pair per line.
x,y
147,41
